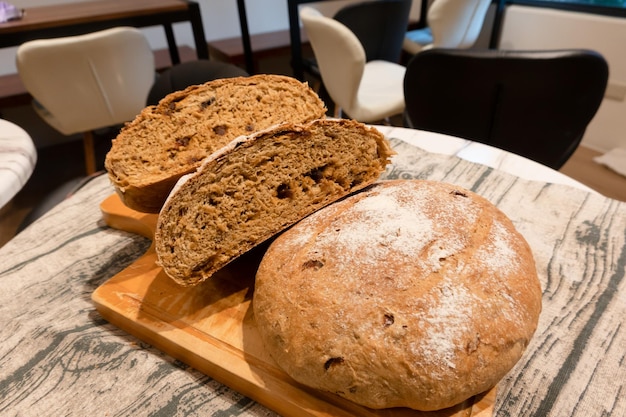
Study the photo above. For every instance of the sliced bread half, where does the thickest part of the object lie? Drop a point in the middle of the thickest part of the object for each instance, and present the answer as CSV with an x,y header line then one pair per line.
x,y
172,138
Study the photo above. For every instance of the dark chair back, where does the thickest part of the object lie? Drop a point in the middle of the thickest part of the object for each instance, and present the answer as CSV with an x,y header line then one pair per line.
x,y
180,76
380,26
536,104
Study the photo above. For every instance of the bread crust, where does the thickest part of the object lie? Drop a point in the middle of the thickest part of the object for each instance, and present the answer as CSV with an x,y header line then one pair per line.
x,y
171,139
407,294
257,186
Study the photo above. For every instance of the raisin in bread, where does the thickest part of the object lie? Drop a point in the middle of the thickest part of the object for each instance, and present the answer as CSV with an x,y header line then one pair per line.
x,y
407,294
259,185
172,138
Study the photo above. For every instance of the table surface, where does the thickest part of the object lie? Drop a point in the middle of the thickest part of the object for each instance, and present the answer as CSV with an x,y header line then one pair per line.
x,y
88,11
67,19
59,357
18,157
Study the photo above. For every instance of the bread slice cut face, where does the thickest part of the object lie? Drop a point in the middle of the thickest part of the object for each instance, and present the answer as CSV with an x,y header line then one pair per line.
x,y
259,185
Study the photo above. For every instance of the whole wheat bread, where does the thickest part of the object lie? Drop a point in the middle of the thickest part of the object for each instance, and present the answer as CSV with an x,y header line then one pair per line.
x,y
409,293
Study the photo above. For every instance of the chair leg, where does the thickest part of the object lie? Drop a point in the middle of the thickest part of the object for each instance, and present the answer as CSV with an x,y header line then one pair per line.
x,y
90,153
337,111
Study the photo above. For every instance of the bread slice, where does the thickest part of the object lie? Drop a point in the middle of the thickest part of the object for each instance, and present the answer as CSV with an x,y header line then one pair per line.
x,y
171,139
259,185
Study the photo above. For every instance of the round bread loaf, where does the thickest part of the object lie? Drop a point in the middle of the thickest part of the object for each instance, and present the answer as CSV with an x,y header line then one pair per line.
x,y
407,294
171,139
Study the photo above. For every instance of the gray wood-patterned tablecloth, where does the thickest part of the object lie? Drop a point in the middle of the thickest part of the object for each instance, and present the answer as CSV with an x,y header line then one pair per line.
x,y
58,357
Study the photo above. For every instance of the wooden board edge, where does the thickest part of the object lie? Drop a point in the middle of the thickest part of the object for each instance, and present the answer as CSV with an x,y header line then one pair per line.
x,y
118,216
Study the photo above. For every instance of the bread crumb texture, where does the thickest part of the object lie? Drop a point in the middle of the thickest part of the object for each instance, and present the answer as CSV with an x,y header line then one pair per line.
x,y
259,185
172,138
407,294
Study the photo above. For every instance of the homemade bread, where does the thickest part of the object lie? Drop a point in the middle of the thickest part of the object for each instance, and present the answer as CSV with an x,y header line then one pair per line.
x,y
171,139
407,294
259,185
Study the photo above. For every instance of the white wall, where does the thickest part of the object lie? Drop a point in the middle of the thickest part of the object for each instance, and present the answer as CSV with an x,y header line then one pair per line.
x,y
538,28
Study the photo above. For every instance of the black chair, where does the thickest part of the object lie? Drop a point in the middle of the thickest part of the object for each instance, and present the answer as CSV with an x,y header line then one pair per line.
x,y
180,76
536,104
380,26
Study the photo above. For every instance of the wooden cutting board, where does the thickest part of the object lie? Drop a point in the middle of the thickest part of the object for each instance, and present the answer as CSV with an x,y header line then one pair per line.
x,y
211,328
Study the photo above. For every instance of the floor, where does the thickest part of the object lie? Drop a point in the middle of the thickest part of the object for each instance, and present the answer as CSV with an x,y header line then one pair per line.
x,y
582,168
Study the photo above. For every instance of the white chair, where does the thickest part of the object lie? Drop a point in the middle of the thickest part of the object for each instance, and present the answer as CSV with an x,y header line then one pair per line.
x,y
88,82
367,92
451,24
